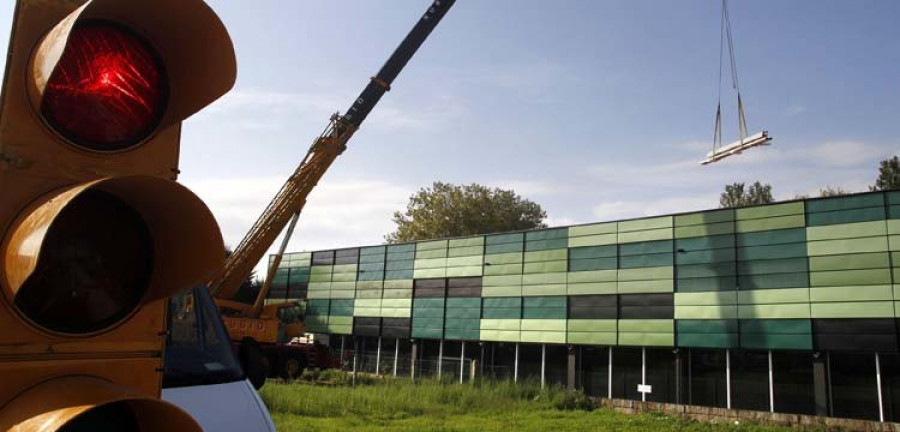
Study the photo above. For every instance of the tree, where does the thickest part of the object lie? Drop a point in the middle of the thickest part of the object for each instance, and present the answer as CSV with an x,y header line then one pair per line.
x,y
888,175
829,191
736,196
447,210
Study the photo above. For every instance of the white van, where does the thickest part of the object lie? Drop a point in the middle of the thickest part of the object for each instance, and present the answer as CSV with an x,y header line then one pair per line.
x,y
202,375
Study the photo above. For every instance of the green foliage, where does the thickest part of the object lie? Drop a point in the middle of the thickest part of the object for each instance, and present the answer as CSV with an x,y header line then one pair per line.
x,y
447,210
888,175
736,196
401,405
829,191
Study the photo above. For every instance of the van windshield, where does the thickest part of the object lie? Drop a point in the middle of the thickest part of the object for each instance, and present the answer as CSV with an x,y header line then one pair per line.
x,y
198,350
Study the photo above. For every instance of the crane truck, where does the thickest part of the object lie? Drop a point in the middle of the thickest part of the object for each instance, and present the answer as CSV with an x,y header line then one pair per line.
x,y
261,332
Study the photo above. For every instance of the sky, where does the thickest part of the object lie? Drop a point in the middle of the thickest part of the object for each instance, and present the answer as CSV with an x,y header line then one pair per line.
x,y
596,110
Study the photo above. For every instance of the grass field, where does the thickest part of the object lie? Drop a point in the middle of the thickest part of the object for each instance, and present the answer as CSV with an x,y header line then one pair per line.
x,y
400,405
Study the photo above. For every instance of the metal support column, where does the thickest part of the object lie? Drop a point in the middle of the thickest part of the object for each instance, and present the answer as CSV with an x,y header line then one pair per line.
x,y
771,384
462,361
440,358
378,358
543,364
413,357
728,379
572,366
516,365
878,382
609,381
396,354
342,352
820,384
643,372
679,376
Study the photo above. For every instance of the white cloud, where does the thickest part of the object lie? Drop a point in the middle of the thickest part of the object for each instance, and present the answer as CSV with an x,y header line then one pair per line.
x,y
794,110
342,213
841,153
616,210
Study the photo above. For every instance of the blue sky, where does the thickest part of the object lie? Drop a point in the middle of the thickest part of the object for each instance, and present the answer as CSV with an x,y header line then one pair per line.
x,y
597,110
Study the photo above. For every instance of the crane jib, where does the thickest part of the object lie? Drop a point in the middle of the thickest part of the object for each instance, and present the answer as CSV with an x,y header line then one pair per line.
x,y
392,67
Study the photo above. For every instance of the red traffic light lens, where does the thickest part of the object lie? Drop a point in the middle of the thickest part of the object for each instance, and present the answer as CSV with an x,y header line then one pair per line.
x,y
109,89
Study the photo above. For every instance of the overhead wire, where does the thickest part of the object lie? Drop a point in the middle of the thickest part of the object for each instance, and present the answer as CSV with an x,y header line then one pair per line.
x,y
726,36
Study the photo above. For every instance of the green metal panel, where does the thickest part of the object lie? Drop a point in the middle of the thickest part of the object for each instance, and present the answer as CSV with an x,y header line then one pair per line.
x,y
592,276
550,325
648,235
645,224
547,255
605,338
427,322
592,325
379,284
893,226
395,312
871,309
704,230
696,285
398,275
706,298
401,256
703,218
547,234
463,313
501,291
465,261
504,248
707,326
542,245
503,269
367,303
544,302
774,311
773,296
648,273
593,229
592,288
427,333
544,313
343,286
851,293
464,302
429,302
647,339
847,246
396,303
344,277
640,287
777,326
430,263
846,216
769,211
647,325
319,286
463,324
850,262
373,259
429,254
544,278
467,242
706,312
844,231
545,267
401,248
543,337
488,281
422,315
464,251
710,256
402,293
460,334
431,245
464,271
372,266
544,289
850,277
367,312
706,242
504,258
593,252
772,266
504,238
342,294
639,261
706,270
368,293
781,251
708,340
320,278
398,284
584,265
760,238
340,320
501,324
370,250
845,202
399,265
430,273
768,224
500,335
341,308
593,240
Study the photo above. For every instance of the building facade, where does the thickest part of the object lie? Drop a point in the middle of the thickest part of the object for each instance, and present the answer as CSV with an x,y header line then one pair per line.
x,y
788,307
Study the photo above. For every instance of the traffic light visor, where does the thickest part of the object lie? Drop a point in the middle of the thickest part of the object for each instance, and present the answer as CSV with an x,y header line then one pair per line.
x,y
80,260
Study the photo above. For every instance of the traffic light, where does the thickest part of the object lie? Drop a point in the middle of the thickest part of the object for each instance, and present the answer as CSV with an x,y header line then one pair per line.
x,y
96,234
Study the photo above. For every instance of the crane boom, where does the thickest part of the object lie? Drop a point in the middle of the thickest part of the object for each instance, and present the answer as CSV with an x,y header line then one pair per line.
x,y
291,198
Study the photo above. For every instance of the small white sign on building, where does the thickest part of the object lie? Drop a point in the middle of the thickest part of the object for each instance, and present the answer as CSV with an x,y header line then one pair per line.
x,y
645,388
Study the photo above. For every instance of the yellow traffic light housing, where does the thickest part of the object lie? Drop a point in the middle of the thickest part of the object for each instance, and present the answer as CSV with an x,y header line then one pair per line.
x,y
96,235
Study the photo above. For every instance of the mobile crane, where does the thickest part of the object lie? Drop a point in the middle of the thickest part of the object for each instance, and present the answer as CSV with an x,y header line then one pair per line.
x,y
260,331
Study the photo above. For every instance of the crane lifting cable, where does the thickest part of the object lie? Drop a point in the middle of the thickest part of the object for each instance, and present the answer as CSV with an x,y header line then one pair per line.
x,y
745,140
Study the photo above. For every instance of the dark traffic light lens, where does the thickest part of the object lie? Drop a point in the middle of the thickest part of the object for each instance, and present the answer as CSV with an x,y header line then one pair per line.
x,y
94,267
109,89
